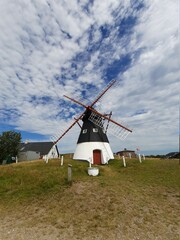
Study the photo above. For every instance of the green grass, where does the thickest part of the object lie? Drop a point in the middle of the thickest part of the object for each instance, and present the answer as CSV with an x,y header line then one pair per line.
x,y
150,172
25,181
135,201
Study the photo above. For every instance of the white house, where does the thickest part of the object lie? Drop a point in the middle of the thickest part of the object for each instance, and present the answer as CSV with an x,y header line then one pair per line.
x,y
37,150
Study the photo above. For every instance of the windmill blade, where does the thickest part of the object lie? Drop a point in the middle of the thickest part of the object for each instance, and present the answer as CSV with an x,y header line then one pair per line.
x,y
56,138
110,84
115,86
109,116
115,128
78,123
95,114
75,101
117,131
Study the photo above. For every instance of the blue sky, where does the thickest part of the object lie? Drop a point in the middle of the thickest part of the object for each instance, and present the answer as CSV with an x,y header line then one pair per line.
x,y
52,48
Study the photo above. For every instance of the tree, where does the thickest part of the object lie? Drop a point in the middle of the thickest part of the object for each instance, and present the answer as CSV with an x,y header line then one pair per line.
x,y
9,144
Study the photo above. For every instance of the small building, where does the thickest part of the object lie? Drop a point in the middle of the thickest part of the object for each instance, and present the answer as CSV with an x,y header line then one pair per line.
x,y
127,153
37,150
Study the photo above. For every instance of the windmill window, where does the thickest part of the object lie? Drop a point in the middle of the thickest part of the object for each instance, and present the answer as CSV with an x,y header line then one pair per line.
x,y
84,131
95,129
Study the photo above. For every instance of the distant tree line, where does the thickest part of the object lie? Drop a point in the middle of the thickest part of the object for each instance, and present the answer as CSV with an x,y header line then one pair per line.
x,y
9,144
176,155
156,156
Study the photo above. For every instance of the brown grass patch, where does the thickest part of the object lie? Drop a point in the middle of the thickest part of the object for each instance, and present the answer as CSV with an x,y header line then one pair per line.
x,y
118,204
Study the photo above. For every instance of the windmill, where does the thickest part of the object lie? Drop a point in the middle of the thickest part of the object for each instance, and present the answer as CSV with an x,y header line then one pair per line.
x,y
93,144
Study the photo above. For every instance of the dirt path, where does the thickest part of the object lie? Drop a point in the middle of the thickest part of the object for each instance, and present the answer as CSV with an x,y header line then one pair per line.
x,y
88,211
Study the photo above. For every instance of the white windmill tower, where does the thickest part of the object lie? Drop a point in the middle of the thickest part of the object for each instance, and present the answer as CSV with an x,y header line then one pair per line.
x,y
93,145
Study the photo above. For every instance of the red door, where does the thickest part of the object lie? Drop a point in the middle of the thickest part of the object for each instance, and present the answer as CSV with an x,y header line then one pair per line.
x,y
97,157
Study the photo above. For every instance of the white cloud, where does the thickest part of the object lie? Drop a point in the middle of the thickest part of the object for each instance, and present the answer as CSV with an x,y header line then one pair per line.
x,y
41,43
151,83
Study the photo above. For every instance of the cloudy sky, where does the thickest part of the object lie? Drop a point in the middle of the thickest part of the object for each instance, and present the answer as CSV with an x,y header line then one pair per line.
x,y
76,47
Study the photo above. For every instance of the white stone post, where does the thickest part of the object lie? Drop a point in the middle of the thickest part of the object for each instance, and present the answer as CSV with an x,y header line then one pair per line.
x,y
124,161
90,162
46,159
140,158
70,173
129,155
144,157
16,159
62,160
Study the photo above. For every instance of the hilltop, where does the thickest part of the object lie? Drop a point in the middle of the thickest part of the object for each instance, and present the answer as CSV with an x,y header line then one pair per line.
x,y
138,202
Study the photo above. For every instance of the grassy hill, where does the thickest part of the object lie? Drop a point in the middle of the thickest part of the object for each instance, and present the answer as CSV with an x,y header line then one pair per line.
x,y
138,202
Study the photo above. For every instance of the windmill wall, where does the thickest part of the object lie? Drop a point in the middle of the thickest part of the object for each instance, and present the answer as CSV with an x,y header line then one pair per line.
x,y
84,151
93,145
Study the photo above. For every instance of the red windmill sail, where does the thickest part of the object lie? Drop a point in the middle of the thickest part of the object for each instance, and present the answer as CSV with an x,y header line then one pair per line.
x,y
95,125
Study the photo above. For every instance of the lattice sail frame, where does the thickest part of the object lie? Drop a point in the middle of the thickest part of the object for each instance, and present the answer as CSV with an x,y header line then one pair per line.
x,y
89,101
59,134
114,129
104,123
